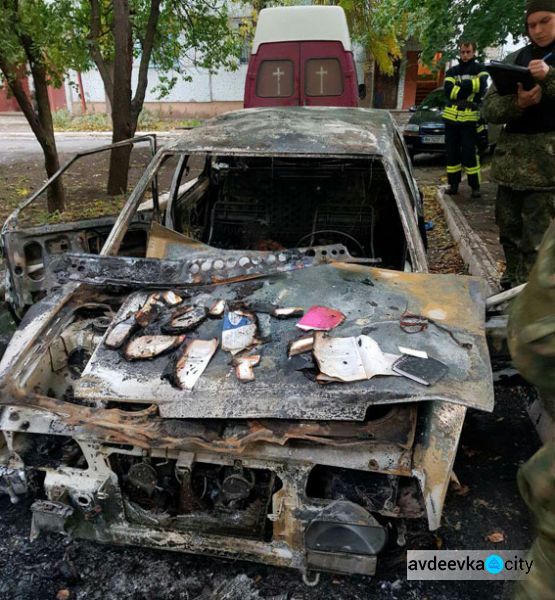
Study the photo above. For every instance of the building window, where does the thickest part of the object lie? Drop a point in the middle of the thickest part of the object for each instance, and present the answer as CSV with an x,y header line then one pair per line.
x,y
323,77
275,79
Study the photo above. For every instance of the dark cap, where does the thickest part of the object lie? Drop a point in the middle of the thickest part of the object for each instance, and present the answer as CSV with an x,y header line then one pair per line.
x,y
533,6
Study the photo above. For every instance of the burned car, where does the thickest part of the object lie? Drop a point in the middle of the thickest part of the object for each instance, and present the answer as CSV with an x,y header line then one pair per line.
x,y
276,378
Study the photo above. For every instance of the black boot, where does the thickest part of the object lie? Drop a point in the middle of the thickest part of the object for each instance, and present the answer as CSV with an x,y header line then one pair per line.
x,y
452,190
476,193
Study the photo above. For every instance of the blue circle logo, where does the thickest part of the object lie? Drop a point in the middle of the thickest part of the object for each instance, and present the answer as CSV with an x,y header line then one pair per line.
x,y
494,564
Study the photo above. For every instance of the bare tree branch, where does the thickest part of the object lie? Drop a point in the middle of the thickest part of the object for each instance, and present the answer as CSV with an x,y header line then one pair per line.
x,y
102,65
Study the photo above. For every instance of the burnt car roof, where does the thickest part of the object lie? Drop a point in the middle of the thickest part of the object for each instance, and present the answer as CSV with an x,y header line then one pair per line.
x,y
294,131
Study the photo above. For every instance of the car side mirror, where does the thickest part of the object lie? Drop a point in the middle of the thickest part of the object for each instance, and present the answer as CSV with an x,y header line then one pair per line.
x,y
413,108
362,91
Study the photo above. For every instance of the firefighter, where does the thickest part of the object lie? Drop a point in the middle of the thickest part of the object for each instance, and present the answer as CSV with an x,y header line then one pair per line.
x,y
465,86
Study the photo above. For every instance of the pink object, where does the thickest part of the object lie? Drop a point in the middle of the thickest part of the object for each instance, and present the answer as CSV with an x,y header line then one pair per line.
x,y
321,318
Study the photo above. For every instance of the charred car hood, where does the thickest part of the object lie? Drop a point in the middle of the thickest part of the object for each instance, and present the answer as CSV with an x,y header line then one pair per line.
x,y
374,301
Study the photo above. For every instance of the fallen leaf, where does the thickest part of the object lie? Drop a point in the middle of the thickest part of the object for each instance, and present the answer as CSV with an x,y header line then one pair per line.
x,y
461,490
439,542
63,594
454,479
496,537
480,502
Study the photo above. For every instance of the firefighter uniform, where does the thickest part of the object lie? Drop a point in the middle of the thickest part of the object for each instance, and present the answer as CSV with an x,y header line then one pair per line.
x,y
465,86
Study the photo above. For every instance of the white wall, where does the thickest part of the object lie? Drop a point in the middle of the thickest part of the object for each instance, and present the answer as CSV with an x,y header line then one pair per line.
x,y
204,87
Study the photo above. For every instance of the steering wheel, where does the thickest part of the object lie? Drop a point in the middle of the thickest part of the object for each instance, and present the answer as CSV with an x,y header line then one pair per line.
x,y
334,232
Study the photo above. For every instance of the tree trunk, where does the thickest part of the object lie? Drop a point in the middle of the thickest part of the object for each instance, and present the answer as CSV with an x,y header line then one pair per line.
x,y
123,121
55,192
120,157
40,122
116,76
369,77
56,198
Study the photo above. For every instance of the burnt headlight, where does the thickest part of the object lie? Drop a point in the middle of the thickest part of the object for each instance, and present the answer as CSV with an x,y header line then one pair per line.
x,y
344,538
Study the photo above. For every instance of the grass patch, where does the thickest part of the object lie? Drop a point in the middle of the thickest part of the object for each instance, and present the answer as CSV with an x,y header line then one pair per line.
x,y
14,191
93,209
148,121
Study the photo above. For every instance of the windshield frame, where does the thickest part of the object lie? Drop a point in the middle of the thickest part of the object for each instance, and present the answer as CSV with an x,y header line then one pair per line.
x,y
402,195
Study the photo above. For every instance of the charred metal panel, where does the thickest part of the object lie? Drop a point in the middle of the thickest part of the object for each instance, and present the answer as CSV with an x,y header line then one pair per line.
x,y
374,301
196,267
435,453
35,414
30,280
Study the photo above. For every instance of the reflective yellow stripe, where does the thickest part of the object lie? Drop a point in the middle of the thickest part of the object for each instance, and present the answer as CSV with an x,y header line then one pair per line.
x,y
473,170
476,84
455,92
454,168
451,79
481,128
471,97
483,74
468,115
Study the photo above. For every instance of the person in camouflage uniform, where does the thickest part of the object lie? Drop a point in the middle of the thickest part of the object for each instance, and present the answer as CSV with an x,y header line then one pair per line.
x,y
524,160
531,338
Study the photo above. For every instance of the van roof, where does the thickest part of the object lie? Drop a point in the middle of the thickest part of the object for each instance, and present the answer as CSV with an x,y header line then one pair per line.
x,y
299,23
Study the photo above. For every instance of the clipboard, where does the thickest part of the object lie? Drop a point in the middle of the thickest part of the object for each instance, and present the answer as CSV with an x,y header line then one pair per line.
x,y
507,77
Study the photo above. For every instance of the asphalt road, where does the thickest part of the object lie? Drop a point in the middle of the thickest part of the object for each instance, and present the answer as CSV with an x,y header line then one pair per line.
x,y
17,141
14,148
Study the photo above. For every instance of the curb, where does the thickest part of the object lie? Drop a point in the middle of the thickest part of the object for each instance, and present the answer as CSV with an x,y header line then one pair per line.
x,y
473,250
481,264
